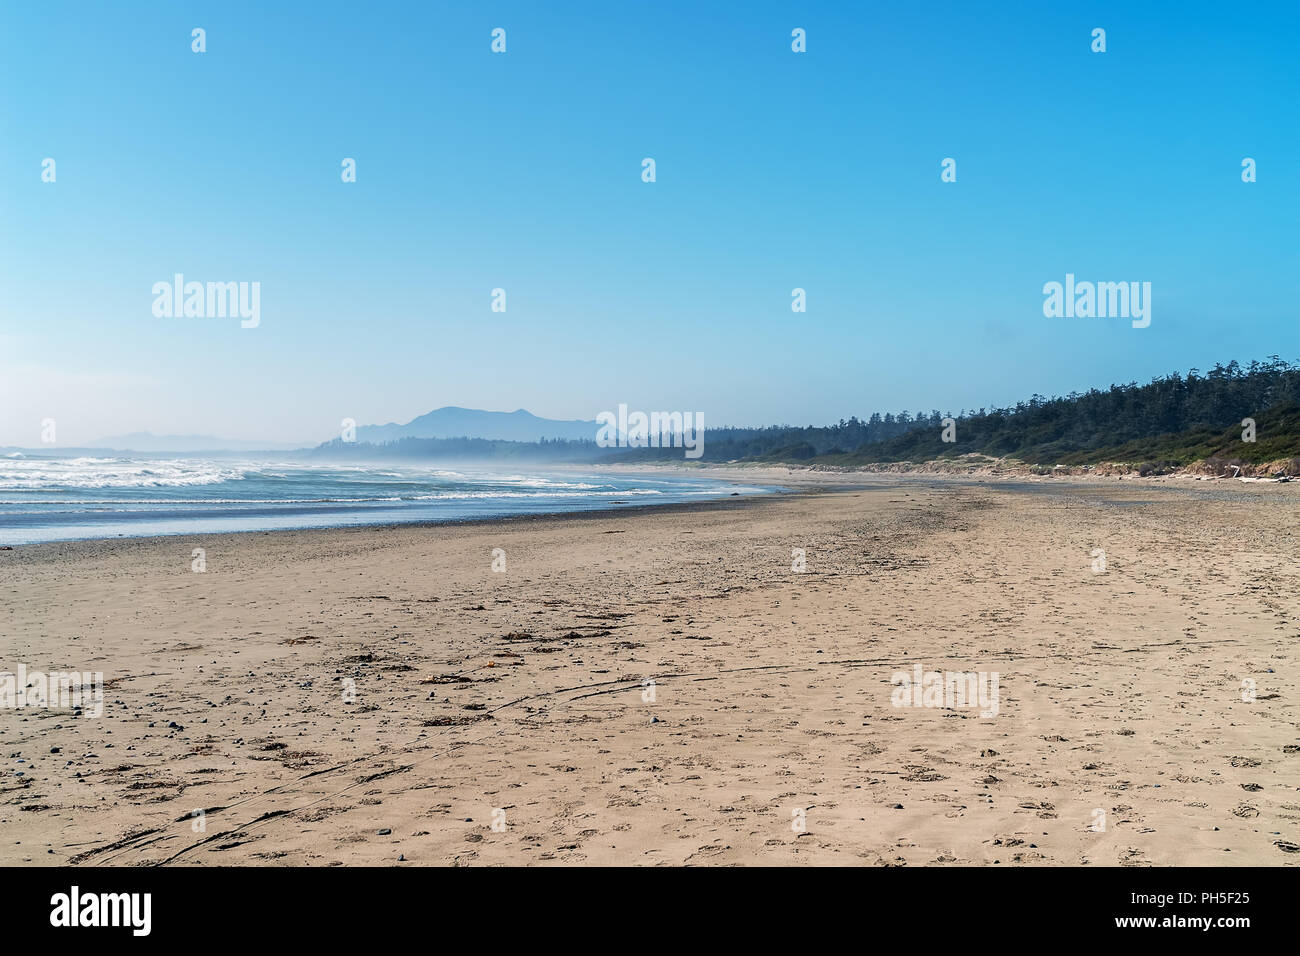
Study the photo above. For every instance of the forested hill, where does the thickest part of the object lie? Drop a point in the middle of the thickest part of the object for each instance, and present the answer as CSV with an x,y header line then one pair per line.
x,y
1174,420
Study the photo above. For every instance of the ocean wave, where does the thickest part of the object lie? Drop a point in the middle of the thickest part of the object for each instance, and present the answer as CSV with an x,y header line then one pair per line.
x,y
535,481
71,473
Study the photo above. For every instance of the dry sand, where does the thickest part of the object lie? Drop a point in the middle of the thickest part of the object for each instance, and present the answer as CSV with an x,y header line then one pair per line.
x,y
519,697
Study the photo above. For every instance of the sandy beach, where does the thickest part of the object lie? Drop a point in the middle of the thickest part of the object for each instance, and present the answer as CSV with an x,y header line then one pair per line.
x,y
383,696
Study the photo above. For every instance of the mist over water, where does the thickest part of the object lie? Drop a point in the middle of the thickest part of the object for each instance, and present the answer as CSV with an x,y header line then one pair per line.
x,y
46,498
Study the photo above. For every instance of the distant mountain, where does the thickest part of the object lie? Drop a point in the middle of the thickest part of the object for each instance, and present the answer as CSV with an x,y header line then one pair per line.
x,y
147,441
454,422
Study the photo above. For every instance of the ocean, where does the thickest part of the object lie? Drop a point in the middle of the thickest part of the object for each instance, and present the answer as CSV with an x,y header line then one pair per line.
x,y
47,498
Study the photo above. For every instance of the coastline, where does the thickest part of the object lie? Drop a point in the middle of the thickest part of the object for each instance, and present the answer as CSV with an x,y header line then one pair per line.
x,y
774,479
336,500
782,481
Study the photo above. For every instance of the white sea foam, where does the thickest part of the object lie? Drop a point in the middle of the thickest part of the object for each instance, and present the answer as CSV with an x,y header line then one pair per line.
x,y
40,480
67,473
46,498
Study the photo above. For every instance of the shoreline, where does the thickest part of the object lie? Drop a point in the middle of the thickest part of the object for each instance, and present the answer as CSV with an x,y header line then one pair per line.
x,y
789,481
603,502
504,522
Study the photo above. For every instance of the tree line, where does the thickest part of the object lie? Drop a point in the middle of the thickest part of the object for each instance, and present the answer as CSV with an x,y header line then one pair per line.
x,y
1175,416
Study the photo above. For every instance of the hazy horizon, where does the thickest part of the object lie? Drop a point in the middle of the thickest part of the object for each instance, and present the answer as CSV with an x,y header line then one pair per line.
x,y
227,443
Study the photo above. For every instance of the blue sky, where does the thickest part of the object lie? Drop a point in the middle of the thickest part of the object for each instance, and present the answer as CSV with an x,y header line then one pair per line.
x,y
522,171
